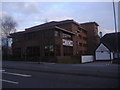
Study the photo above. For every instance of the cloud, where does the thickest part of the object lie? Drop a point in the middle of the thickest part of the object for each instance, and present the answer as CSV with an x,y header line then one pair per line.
x,y
59,18
29,8
28,14
104,31
3,13
18,30
109,31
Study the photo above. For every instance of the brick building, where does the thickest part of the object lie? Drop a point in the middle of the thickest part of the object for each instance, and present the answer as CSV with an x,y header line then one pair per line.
x,y
92,35
63,38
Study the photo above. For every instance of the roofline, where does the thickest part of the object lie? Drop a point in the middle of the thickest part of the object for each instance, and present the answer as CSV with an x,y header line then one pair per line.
x,y
57,23
90,23
54,27
104,45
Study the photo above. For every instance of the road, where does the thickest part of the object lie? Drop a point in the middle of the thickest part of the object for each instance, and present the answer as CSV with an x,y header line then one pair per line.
x,y
13,78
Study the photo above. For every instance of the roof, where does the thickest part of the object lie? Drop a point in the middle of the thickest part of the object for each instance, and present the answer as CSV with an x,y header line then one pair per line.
x,y
52,23
52,27
90,23
49,25
110,41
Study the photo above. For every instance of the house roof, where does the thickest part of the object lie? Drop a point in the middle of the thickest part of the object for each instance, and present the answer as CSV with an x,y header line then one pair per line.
x,y
111,41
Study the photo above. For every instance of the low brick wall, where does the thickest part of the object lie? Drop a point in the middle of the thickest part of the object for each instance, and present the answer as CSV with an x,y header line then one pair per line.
x,y
68,59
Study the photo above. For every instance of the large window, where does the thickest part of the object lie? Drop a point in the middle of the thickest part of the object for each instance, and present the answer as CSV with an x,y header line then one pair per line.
x,y
68,36
68,51
17,52
57,50
57,33
49,50
33,51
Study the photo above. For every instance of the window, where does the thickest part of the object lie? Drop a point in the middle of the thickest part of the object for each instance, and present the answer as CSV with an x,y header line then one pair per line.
x,y
68,51
80,44
17,52
84,38
67,36
33,51
80,36
57,50
49,50
57,33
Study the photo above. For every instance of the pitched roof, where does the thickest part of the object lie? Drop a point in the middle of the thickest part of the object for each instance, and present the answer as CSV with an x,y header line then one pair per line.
x,y
112,41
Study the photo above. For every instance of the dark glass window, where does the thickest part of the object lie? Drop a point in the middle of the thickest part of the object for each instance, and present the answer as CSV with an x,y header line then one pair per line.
x,y
49,50
68,51
17,52
57,50
57,34
33,51
65,35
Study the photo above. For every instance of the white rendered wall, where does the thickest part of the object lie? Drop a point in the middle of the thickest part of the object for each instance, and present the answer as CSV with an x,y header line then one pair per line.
x,y
87,59
103,53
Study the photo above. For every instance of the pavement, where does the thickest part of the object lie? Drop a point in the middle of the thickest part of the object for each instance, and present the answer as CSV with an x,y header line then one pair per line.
x,y
95,69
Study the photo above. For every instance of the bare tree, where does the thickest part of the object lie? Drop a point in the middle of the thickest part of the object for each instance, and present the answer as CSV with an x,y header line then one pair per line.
x,y
7,25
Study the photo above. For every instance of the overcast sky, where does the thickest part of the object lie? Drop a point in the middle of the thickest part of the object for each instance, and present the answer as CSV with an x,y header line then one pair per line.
x,y
28,14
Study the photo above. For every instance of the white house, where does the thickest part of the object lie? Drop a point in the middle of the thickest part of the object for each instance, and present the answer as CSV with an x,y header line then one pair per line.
x,y
107,49
103,53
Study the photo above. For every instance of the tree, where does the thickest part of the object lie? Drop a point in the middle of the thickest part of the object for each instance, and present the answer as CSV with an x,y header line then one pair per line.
x,y
7,25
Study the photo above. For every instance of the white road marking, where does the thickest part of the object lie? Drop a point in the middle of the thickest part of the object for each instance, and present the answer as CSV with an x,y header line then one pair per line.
x,y
17,74
2,70
9,81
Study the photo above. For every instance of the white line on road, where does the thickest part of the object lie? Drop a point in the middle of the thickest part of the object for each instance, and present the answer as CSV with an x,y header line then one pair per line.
x,y
17,74
9,81
2,70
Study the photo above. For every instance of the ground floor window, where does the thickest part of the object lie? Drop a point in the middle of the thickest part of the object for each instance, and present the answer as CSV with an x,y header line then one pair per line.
x,y
17,52
33,51
57,50
68,51
49,50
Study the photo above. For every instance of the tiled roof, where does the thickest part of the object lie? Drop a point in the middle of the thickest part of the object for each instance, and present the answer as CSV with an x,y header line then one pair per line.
x,y
111,41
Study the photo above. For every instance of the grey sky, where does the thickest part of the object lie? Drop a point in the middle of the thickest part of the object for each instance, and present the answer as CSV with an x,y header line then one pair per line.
x,y
28,14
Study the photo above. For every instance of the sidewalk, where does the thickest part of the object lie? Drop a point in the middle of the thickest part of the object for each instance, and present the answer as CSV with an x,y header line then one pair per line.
x,y
98,69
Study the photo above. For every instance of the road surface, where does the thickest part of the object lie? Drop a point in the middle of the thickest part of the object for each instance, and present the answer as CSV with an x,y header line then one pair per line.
x,y
13,78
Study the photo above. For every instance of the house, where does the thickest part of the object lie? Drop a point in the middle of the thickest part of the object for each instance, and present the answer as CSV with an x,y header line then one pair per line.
x,y
109,47
55,39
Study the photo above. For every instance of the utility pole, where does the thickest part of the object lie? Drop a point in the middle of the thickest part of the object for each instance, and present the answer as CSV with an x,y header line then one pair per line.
x,y
116,34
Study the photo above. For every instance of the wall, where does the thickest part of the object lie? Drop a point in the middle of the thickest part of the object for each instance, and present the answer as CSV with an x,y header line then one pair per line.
x,y
68,59
103,53
92,35
88,58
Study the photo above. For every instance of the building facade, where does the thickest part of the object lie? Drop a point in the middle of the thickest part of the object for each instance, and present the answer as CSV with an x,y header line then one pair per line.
x,y
92,35
64,38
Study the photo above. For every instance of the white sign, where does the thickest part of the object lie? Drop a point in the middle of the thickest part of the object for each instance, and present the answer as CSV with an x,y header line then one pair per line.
x,y
67,42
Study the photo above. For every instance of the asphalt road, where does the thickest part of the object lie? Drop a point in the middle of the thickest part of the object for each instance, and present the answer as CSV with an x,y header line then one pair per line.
x,y
13,78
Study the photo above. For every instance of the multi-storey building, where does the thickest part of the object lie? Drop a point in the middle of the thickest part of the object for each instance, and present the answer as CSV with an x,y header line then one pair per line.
x,y
64,38
92,35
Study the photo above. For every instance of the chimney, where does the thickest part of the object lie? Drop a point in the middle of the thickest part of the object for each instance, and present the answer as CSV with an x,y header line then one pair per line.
x,y
100,34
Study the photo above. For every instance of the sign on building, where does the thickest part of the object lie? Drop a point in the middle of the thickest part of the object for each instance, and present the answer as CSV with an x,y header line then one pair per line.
x,y
67,42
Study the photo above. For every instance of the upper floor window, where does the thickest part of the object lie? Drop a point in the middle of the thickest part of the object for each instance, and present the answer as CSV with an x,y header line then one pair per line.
x,y
66,35
57,33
